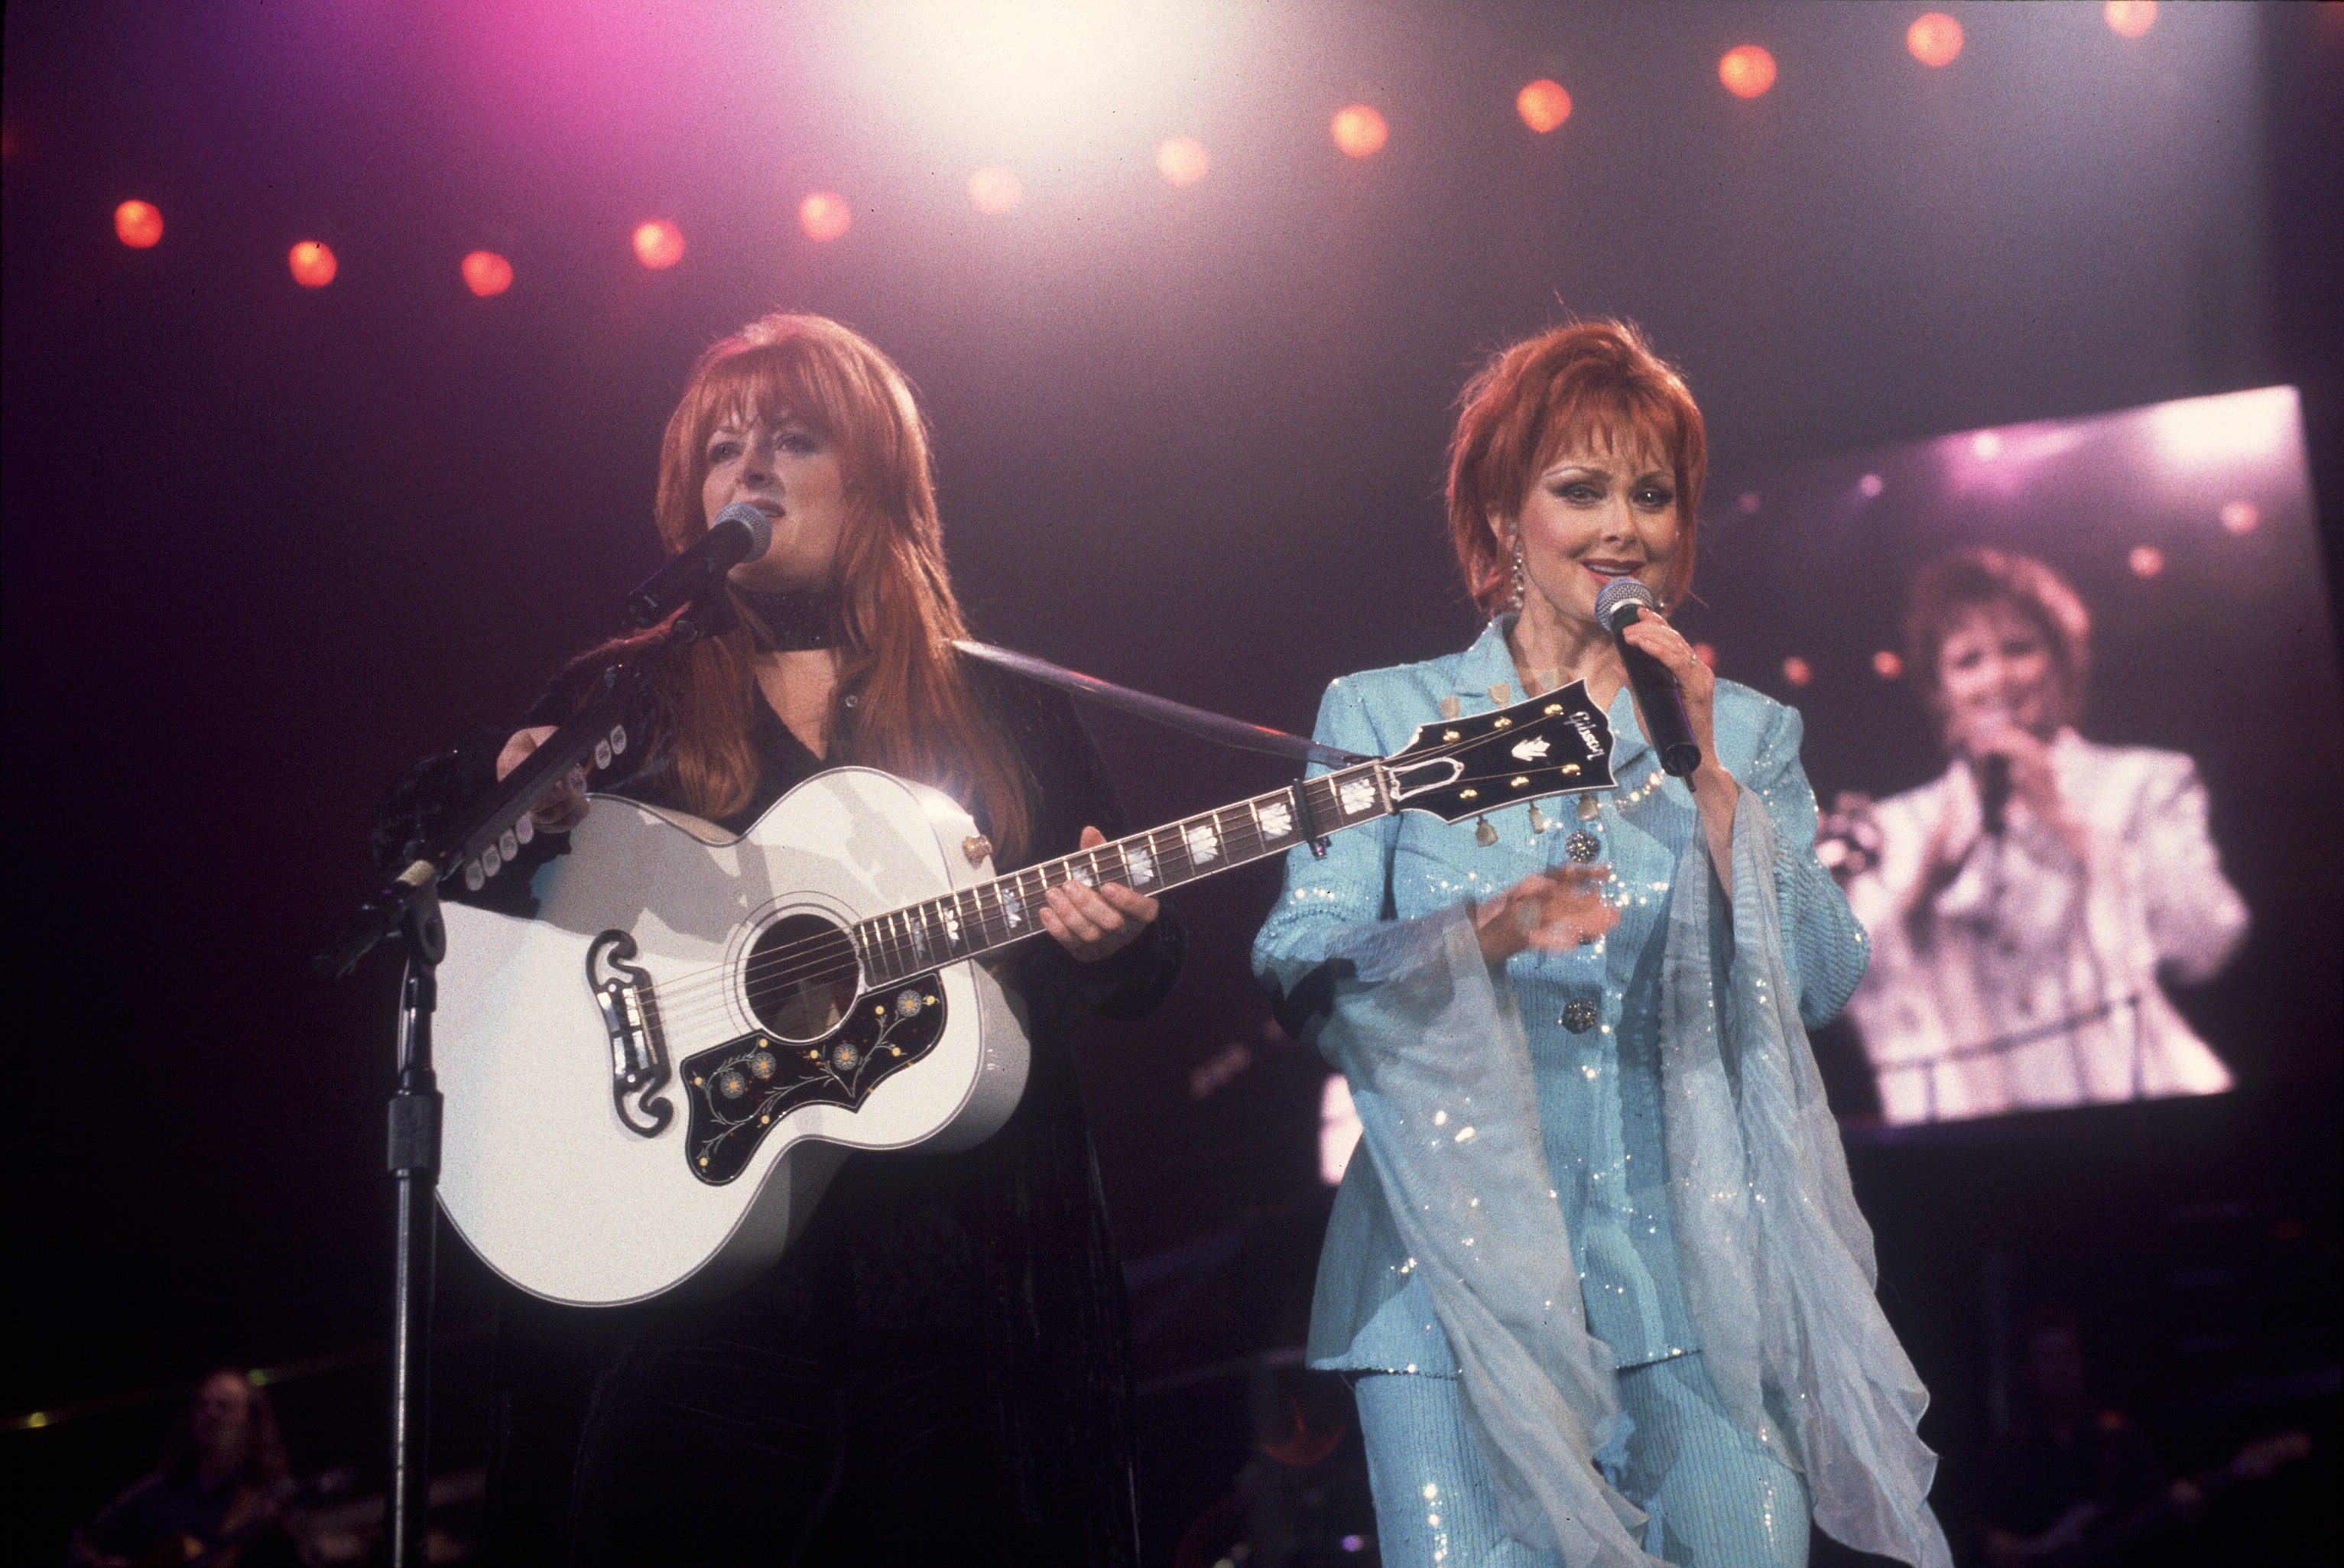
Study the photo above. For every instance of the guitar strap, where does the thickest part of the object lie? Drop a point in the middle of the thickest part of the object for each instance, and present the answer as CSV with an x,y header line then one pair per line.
x,y
1163,710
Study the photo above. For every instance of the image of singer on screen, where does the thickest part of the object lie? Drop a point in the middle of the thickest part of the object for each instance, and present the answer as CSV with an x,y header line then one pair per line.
x,y
2024,904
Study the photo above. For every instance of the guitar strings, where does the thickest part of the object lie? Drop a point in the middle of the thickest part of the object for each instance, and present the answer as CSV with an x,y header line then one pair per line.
x,y
691,1009
1117,845
693,998
691,993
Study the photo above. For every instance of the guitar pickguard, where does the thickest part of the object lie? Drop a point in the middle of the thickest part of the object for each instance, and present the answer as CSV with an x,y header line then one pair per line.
x,y
737,1091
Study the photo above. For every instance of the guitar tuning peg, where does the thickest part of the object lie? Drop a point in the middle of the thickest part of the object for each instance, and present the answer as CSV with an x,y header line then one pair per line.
x,y
1538,818
1588,807
1483,834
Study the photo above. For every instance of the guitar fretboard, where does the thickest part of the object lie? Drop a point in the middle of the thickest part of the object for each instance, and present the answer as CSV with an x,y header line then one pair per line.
x,y
975,921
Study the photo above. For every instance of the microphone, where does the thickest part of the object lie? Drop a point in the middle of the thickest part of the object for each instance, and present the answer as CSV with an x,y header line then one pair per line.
x,y
740,533
1618,607
1994,790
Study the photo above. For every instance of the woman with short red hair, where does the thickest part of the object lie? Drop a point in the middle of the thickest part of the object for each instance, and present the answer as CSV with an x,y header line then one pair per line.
x,y
1596,1276
2031,901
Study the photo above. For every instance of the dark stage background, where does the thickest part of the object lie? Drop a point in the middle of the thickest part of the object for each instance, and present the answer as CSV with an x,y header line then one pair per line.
x,y
264,545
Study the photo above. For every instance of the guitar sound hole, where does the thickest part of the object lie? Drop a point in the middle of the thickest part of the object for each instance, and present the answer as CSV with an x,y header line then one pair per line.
x,y
800,977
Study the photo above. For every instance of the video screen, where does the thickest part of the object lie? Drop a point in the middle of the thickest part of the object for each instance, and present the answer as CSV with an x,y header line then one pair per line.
x,y
2070,690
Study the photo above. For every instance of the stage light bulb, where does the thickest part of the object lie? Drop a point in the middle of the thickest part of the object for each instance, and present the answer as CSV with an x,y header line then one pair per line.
x,y
2129,18
137,224
993,190
1871,484
487,273
2241,517
1706,652
1986,445
313,264
1749,503
1746,71
1543,104
1360,130
1797,671
659,244
1887,665
825,215
1183,160
1934,38
2145,560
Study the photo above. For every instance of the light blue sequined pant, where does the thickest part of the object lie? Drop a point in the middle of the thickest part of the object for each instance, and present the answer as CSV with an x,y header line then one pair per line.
x,y
1723,1500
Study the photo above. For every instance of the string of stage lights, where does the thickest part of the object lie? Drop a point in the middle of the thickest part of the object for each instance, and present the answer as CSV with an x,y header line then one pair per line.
x,y
1358,130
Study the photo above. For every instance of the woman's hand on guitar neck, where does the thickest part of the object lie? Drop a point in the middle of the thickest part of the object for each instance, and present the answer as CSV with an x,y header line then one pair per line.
x,y
1093,922
563,806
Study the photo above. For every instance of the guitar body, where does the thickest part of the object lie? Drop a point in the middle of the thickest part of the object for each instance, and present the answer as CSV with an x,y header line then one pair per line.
x,y
649,1084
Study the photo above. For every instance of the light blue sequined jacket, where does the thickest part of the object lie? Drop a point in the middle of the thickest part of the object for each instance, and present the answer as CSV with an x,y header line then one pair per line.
x,y
1592,1015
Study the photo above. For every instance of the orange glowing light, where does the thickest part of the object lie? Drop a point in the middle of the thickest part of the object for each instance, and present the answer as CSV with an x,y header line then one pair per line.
x,y
659,244
1887,665
1360,130
2129,18
1797,671
487,273
2145,560
994,191
1543,104
137,224
1746,71
2241,517
313,264
1934,38
1183,160
1706,652
825,215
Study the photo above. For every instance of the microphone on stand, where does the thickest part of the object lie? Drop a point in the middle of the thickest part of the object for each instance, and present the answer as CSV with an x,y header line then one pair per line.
x,y
740,532
1618,607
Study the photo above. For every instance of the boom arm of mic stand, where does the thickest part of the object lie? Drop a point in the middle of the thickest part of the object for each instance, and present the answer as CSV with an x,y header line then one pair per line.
x,y
485,822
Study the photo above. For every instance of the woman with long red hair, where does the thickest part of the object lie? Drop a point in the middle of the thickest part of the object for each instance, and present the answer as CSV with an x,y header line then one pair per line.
x,y
936,1370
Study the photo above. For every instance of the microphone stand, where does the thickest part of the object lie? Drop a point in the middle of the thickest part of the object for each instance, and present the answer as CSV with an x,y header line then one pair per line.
x,y
483,837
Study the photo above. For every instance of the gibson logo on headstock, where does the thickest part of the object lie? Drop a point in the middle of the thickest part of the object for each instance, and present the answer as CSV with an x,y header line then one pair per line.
x,y
1559,744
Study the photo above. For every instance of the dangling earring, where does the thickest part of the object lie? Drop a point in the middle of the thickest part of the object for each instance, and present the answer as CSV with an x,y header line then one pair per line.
x,y
1522,579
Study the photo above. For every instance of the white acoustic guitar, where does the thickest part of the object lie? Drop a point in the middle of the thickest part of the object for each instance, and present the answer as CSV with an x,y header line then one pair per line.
x,y
809,987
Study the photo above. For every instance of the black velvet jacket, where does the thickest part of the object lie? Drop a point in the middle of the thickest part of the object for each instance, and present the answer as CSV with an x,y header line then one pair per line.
x,y
1007,1241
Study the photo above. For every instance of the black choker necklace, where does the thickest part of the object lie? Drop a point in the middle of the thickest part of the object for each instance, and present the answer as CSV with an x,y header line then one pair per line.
x,y
792,622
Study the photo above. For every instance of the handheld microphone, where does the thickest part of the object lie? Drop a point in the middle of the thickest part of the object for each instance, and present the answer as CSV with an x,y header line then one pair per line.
x,y
1994,791
1618,607
740,532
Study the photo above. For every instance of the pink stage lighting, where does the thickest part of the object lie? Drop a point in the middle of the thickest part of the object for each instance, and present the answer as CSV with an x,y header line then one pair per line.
x,y
313,264
659,244
137,224
487,273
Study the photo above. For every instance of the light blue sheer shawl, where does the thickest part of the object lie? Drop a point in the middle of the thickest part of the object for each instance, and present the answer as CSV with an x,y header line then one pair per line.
x,y
1776,1260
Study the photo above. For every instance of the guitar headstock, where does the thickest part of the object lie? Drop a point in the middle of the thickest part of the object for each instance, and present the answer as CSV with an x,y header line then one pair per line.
x,y
1456,769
